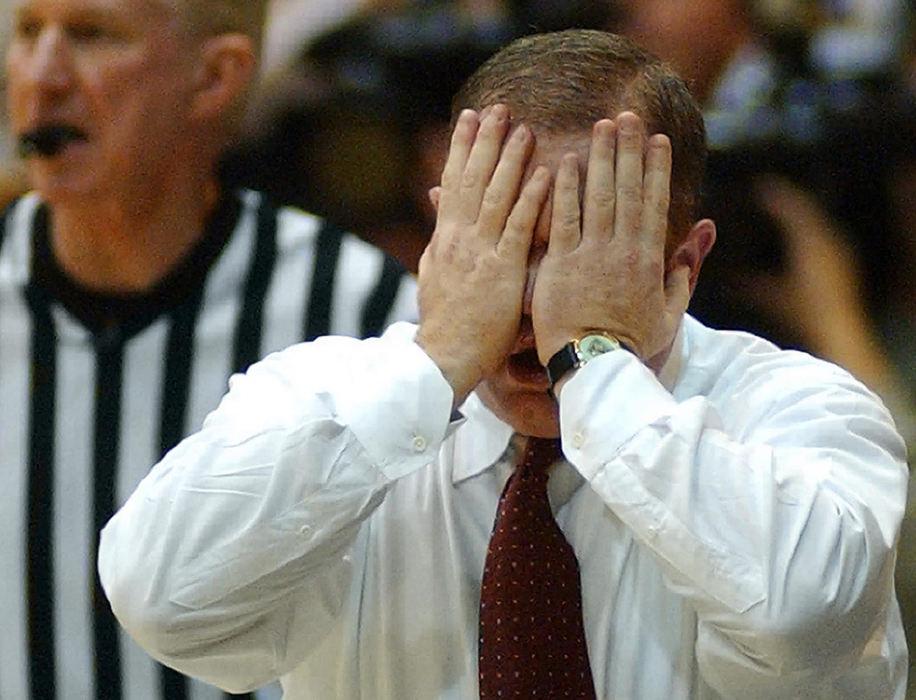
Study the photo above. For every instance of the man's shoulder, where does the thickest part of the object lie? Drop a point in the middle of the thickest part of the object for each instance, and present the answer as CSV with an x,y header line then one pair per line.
x,y
722,349
724,345
739,364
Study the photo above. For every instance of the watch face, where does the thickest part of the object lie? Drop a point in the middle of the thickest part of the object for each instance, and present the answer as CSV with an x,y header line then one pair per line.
x,y
593,345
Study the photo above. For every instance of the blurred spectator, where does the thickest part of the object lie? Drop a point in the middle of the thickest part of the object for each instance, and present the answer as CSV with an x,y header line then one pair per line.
x,y
133,283
13,180
294,23
783,98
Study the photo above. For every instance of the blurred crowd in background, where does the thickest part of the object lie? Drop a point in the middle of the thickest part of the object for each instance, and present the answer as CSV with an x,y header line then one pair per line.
x,y
811,118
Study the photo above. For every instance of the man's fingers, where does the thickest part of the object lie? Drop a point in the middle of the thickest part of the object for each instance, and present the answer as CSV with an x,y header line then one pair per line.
x,y
600,193
629,179
677,290
481,161
657,191
460,148
516,239
502,191
565,217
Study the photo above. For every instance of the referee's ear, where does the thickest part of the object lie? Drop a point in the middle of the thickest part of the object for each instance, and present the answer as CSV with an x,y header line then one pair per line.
x,y
226,73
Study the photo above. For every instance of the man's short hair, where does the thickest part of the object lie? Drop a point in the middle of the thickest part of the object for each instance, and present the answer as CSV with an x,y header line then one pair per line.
x,y
563,82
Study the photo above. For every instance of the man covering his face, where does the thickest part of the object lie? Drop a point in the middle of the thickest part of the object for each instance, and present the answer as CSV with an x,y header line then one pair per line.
x,y
733,508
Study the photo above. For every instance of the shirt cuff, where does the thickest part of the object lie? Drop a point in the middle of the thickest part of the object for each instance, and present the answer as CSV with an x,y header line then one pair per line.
x,y
614,382
402,409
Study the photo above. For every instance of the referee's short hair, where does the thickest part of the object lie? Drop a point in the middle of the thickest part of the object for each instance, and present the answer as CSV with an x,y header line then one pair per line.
x,y
210,17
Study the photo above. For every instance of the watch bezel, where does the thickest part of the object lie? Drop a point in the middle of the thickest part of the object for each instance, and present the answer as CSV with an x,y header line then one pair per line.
x,y
593,344
573,356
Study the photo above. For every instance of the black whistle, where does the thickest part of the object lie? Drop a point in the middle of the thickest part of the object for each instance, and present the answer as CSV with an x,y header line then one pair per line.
x,y
47,140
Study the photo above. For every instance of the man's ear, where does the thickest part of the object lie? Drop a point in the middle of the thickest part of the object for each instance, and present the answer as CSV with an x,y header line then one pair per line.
x,y
433,195
693,249
227,68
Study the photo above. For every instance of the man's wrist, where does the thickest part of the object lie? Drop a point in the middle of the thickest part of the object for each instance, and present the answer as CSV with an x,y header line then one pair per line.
x,y
461,377
578,352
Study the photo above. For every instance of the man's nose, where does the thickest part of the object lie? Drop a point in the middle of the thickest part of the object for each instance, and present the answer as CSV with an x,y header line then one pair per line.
x,y
47,62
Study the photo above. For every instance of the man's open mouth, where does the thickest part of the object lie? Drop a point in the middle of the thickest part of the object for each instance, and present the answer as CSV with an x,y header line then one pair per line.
x,y
48,140
525,367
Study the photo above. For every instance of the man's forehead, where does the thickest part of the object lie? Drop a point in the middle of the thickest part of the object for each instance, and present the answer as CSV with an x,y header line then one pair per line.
x,y
549,148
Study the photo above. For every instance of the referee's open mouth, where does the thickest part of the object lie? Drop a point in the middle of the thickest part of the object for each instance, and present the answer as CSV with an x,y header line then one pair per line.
x,y
48,140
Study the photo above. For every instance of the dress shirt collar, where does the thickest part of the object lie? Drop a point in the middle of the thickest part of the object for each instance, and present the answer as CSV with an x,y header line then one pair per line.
x,y
671,370
481,442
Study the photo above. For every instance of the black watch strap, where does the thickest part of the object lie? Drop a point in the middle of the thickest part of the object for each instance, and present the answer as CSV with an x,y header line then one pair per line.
x,y
579,351
563,360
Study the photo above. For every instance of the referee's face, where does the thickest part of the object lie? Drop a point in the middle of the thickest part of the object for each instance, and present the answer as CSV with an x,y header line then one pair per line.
x,y
100,94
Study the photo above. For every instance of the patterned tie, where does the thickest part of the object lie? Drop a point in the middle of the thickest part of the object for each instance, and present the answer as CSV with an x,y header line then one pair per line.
x,y
532,641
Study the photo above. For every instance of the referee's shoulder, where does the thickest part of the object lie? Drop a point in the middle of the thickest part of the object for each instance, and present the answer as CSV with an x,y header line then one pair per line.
x,y
298,228
16,223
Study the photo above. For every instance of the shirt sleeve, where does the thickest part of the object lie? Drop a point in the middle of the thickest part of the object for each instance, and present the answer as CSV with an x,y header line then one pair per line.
x,y
772,505
232,556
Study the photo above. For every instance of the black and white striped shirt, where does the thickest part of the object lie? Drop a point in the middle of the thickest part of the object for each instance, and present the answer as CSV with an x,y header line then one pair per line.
x,y
93,391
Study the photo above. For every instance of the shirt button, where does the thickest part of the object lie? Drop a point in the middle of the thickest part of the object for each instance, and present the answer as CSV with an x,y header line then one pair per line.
x,y
578,440
419,443
305,530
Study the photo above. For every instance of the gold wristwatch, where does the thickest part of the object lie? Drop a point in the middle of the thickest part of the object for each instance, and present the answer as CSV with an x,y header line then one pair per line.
x,y
579,351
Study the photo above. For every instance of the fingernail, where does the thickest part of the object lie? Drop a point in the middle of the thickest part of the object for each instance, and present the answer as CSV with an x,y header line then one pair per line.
x,y
604,126
467,115
627,121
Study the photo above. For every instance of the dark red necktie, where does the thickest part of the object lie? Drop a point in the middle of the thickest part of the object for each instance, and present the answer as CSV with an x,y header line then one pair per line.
x,y
532,641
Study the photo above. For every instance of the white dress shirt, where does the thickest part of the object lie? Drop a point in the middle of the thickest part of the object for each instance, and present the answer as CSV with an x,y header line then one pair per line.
x,y
735,523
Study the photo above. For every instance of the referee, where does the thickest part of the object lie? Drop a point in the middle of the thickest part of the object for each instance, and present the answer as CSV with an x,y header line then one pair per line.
x,y
131,287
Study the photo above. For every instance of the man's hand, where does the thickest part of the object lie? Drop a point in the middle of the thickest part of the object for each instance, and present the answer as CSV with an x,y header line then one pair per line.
x,y
605,268
472,274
